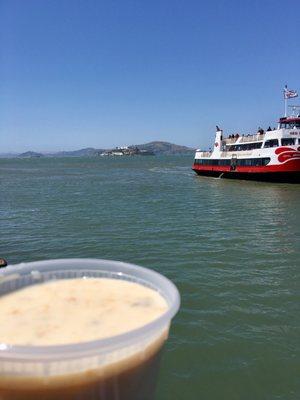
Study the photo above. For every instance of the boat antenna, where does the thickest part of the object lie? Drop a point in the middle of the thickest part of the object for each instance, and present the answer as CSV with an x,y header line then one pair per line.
x,y
285,100
288,94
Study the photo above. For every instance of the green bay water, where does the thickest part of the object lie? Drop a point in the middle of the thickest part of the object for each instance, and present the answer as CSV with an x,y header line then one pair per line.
x,y
231,247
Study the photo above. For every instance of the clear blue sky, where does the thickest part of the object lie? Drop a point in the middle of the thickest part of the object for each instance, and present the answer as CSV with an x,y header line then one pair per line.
x,y
101,73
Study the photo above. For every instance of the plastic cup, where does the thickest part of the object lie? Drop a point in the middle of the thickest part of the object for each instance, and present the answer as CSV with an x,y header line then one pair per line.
x,y
122,367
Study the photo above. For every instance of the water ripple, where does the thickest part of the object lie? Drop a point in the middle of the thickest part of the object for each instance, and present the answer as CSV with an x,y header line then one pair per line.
x,y
231,247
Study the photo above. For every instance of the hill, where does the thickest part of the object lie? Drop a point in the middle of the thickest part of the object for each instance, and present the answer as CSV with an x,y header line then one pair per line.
x,y
87,152
165,148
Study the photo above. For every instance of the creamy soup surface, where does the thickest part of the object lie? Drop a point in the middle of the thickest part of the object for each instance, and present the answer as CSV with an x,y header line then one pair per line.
x,y
76,310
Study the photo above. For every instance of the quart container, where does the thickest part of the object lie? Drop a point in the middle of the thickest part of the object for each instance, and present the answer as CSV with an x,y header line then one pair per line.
x,y
122,367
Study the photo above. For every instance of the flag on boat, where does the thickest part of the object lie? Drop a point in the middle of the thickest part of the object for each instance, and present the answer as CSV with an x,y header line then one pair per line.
x,y
289,94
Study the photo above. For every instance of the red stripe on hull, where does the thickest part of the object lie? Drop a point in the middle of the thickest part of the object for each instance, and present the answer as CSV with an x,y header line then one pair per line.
x,y
285,172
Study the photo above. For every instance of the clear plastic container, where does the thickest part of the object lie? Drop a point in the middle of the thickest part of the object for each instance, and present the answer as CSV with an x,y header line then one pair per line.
x,y
122,367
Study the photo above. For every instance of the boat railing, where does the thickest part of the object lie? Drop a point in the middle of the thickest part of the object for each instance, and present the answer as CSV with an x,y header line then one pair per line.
x,y
252,138
244,139
204,153
229,140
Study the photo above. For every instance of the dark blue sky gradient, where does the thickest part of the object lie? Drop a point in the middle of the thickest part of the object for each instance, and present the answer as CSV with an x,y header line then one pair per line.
x,y
104,73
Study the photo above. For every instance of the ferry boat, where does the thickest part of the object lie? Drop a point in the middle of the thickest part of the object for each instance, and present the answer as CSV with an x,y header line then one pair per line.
x,y
271,155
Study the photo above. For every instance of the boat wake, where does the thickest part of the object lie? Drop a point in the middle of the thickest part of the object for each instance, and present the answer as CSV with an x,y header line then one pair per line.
x,y
172,170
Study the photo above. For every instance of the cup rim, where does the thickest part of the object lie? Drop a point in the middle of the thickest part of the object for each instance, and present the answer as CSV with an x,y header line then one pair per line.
x,y
81,349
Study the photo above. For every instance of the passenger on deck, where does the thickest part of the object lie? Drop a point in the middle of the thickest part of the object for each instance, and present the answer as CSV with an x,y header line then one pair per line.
x,y
269,129
260,131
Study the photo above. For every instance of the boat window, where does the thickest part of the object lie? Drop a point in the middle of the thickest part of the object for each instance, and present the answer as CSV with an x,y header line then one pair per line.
x,y
253,162
212,162
246,146
243,162
271,143
288,141
290,125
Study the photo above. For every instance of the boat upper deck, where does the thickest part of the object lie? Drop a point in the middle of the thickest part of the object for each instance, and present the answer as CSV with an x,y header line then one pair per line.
x,y
240,144
258,137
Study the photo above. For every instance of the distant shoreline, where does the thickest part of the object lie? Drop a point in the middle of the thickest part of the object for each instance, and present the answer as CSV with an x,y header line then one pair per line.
x,y
152,148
